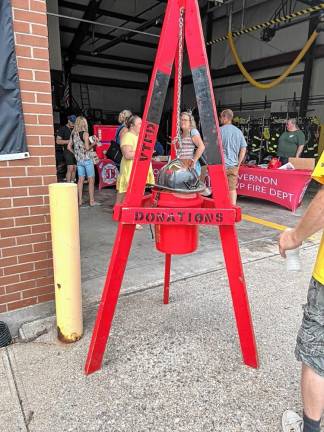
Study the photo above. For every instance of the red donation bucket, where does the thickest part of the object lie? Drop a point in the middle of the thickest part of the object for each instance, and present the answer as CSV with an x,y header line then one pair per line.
x,y
176,239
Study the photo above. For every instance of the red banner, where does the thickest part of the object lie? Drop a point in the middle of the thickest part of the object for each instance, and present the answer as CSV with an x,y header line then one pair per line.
x,y
283,187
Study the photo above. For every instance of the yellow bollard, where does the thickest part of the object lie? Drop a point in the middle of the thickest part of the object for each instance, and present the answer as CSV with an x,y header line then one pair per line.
x,y
66,259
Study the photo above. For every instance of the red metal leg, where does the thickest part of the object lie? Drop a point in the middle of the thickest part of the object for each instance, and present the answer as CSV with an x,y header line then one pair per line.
x,y
212,137
239,295
109,297
167,278
147,137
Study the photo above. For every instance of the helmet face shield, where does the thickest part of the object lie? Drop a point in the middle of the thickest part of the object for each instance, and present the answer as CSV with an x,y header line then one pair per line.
x,y
175,176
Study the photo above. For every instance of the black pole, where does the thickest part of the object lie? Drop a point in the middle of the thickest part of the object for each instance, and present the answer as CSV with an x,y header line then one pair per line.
x,y
308,69
209,36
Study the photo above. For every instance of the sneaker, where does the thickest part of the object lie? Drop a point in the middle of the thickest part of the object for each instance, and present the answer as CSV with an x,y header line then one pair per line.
x,y
292,422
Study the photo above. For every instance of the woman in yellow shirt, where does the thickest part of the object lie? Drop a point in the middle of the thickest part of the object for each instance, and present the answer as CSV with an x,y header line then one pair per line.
x,y
128,147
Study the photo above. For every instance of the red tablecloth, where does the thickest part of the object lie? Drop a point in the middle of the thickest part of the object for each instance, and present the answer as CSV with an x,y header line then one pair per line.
x,y
283,187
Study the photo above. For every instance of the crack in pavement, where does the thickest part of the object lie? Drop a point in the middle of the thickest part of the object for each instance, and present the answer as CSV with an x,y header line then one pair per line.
x,y
23,420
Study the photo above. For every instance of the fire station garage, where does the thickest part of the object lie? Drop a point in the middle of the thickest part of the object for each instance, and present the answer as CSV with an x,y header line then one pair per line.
x,y
161,212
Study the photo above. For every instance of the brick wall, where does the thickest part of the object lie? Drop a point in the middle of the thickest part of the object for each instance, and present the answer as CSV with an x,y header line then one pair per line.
x,y
26,272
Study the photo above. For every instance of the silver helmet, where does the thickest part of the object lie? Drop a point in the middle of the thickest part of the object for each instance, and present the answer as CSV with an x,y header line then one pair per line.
x,y
176,177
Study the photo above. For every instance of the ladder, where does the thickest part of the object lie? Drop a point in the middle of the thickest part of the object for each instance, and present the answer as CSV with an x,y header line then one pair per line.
x,y
85,97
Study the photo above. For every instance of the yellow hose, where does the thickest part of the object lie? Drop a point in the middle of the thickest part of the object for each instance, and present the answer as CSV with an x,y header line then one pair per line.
x,y
278,80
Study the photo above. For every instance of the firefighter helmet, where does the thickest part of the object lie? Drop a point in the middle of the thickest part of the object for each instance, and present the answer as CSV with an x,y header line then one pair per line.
x,y
175,176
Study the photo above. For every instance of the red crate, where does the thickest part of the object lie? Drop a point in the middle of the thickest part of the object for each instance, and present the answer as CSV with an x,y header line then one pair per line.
x,y
105,133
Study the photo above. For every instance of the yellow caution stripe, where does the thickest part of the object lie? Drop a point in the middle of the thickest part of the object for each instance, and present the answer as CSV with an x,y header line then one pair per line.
x,y
315,237
270,23
263,222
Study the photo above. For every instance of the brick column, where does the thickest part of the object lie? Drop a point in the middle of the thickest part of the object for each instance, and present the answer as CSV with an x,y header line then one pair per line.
x,y
26,269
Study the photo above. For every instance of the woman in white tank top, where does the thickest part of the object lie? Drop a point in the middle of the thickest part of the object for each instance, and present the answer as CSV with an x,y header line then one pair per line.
x,y
192,146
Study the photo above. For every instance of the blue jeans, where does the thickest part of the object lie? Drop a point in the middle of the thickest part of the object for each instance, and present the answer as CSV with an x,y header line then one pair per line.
x,y
86,168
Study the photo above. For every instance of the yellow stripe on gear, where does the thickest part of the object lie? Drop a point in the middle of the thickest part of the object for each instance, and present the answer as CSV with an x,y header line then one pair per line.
x,y
318,272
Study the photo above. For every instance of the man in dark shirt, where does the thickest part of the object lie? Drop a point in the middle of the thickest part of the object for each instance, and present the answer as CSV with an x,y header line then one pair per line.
x,y
291,142
62,139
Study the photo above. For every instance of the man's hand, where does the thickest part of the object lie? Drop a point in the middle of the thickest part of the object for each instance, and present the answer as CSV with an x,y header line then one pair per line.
x,y
287,241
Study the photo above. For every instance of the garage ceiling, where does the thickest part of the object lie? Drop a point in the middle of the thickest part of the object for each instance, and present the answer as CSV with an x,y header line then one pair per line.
x,y
88,45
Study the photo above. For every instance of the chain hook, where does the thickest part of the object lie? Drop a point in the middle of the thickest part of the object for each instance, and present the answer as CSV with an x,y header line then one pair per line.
x,y
180,65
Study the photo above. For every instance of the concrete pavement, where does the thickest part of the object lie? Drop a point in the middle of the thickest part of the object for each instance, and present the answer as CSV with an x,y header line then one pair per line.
x,y
166,368
97,232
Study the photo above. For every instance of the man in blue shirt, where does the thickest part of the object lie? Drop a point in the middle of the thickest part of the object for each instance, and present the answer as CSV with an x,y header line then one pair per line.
x,y
234,146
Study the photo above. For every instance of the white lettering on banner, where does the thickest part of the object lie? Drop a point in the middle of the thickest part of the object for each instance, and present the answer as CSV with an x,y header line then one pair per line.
x,y
262,184
260,179
253,187
281,194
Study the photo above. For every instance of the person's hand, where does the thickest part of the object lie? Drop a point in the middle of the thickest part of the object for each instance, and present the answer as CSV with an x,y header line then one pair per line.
x,y
191,163
287,241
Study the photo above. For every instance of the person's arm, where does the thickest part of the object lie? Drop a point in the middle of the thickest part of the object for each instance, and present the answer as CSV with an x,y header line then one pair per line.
x,y
86,141
122,133
200,147
127,151
70,145
127,146
310,223
301,144
241,155
61,141
242,152
300,149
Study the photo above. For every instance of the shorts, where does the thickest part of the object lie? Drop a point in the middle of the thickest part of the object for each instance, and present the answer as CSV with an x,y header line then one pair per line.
x,y
69,157
310,338
232,175
86,168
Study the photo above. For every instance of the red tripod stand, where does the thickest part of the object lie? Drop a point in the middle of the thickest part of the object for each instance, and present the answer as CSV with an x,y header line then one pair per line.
x,y
219,209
